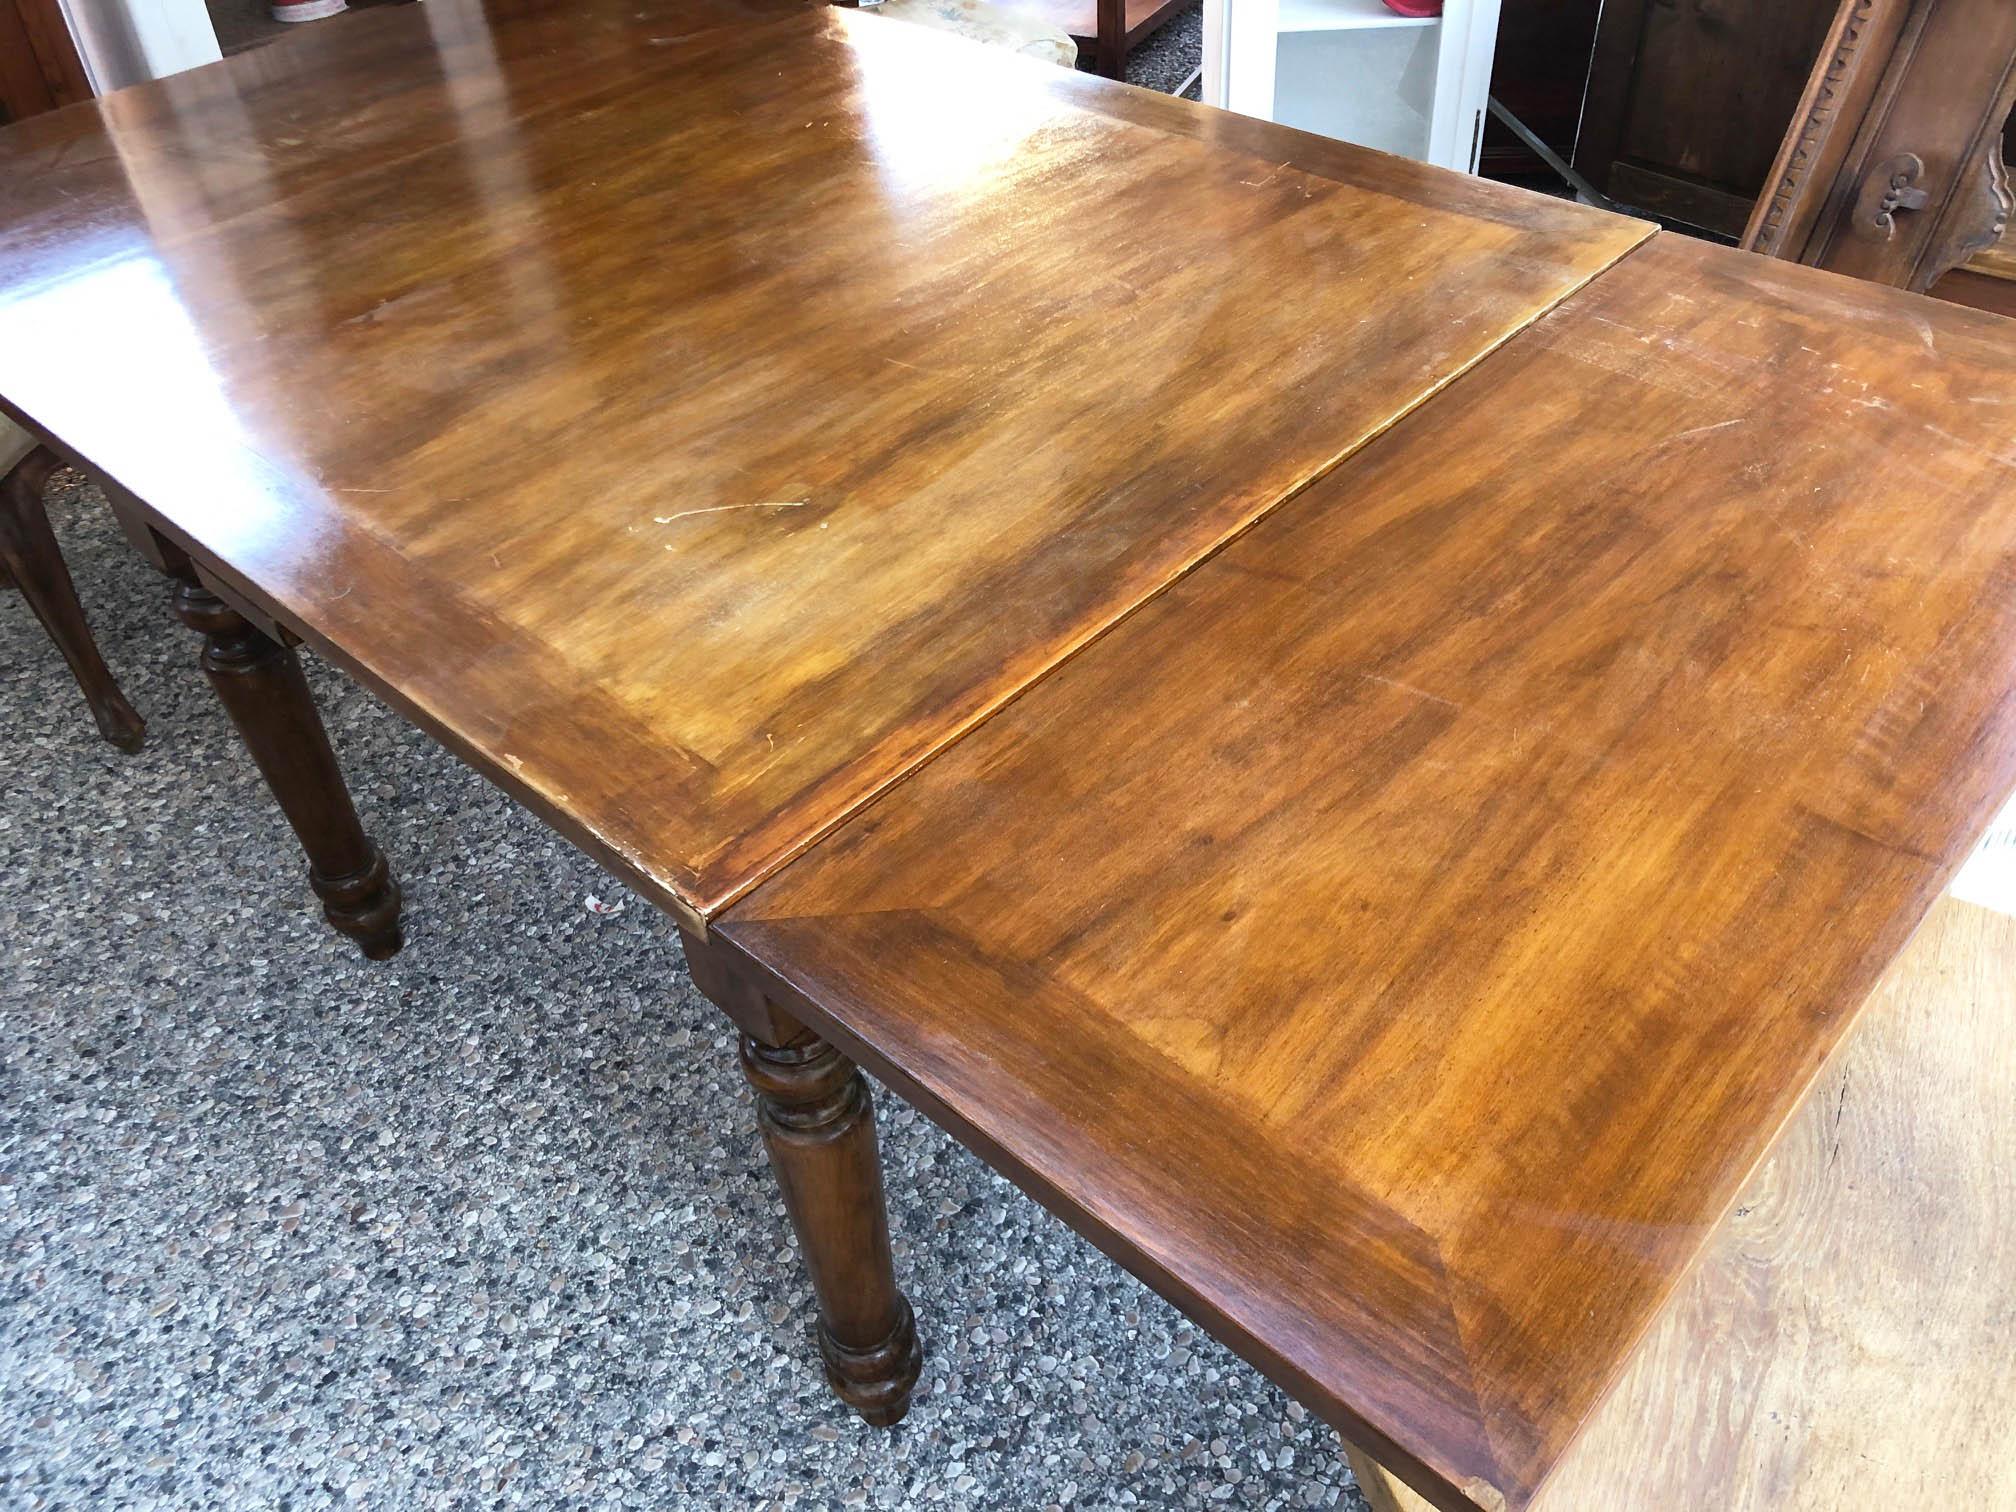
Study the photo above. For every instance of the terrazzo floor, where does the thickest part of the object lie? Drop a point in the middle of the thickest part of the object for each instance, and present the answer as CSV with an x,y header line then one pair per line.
x,y
489,1224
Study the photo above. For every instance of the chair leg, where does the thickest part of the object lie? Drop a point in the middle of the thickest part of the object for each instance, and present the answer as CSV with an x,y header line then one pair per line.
x,y
29,555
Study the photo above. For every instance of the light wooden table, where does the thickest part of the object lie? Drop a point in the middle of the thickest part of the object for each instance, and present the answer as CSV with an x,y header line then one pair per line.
x,y
1366,750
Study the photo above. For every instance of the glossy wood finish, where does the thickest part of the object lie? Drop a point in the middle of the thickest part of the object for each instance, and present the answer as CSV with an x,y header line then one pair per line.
x,y
819,1127
1848,1324
1399,941
1892,169
699,435
31,562
260,684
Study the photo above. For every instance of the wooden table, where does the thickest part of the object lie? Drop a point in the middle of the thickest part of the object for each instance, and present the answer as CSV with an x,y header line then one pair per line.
x,y
1366,751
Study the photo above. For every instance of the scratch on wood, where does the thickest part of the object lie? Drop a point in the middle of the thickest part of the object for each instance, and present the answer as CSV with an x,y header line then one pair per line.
x,y
685,514
1701,430
1407,688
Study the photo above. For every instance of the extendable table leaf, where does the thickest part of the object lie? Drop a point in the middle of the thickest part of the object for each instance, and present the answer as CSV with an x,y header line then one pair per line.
x,y
699,430
1358,732
1399,940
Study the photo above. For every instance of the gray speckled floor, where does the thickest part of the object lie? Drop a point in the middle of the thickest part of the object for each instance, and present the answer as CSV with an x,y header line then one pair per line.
x,y
489,1224
1166,59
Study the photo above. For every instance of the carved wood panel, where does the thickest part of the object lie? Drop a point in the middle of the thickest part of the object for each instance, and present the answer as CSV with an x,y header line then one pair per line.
x,y
1892,169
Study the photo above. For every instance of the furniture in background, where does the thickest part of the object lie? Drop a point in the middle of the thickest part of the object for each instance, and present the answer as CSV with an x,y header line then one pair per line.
x,y
1355,71
1892,169
39,65
30,561
1020,29
1104,31
1687,100
1987,281
40,70
1538,72
126,42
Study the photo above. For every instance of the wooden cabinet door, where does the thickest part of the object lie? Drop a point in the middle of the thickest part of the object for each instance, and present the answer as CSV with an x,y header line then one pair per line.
x,y
1689,99
39,68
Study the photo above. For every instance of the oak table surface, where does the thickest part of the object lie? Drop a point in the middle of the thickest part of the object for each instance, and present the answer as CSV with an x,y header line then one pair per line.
x,y
1399,940
698,425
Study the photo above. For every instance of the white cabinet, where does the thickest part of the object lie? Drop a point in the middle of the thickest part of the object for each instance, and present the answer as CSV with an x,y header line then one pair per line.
x,y
1352,69
124,42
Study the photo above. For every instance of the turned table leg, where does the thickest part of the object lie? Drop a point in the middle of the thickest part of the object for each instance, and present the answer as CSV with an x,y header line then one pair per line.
x,y
28,555
819,1127
263,690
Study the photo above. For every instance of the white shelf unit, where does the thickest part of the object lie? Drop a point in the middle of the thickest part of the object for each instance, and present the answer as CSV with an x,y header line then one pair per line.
x,y
1348,15
1352,69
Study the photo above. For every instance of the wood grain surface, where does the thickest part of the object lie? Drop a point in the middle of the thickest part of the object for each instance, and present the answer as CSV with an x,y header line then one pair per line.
x,y
1850,1323
1400,940
696,425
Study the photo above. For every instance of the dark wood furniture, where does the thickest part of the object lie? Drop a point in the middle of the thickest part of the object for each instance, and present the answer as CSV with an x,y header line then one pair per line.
x,y
1539,71
1106,31
31,562
1892,169
39,66
1347,754
1986,281
1687,101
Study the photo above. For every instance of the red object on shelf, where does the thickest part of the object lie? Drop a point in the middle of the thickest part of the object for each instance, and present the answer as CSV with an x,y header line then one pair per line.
x,y
1415,8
